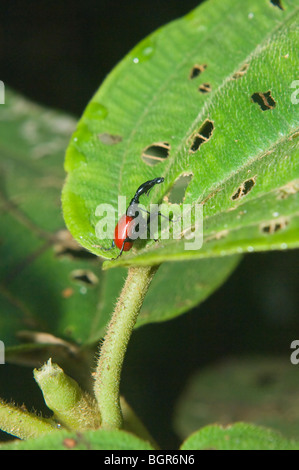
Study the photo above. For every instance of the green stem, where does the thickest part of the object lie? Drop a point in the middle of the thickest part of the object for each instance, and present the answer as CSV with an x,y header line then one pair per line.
x,y
20,423
72,408
108,372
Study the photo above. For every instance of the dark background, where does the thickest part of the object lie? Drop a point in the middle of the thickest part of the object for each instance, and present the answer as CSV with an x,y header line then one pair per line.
x,y
58,53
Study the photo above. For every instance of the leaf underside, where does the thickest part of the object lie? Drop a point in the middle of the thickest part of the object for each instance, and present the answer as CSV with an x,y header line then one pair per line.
x,y
208,100
245,174
52,292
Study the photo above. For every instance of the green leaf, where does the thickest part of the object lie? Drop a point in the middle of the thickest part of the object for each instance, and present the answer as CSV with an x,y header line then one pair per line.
x,y
52,292
209,103
89,440
260,390
73,408
47,282
177,287
21,423
240,436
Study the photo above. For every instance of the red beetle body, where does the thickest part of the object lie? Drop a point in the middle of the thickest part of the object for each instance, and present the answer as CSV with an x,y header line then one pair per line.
x,y
122,231
125,230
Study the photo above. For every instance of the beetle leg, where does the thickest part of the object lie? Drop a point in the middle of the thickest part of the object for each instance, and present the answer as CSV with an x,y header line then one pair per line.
x,y
105,249
128,239
154,213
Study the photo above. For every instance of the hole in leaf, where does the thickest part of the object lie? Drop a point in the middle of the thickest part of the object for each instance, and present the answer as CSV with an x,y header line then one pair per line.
x,y
237,194
264,100
241,72
177,192
156,153
85,277
202,136
248,185
277,3
205,88
289,189
109,139
274,225
243,189
198,140
197,70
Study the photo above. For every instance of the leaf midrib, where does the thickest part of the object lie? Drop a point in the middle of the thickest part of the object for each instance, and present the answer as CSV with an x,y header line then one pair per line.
x,y
206,105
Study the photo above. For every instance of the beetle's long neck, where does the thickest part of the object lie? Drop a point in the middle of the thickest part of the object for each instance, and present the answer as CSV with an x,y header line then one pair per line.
x,y
133,203
144,188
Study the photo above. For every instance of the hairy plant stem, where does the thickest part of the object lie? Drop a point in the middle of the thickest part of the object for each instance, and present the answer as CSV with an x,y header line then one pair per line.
x,y
108,372
21,423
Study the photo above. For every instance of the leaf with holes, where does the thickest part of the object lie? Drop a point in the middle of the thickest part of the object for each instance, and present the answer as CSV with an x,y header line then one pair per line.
x,y
53,294
210,103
